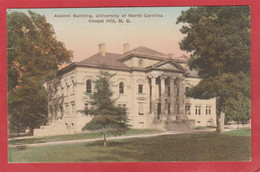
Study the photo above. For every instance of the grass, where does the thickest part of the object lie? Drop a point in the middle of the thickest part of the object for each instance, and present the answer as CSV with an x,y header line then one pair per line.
x,y
203,127
75,137
183,147
246,133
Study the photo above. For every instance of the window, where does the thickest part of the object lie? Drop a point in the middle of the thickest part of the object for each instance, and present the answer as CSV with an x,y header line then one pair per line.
x,y
61,111
73,88
208,110
67,109
141,124
169,91
67,90
169,108
73,109
141,108
56,110
86,108
140,89
88,86
187,89
197,110
121,88
187,109
124,105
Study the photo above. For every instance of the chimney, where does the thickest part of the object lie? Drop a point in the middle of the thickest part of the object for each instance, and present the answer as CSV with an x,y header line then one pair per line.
x,y
126,47
102,49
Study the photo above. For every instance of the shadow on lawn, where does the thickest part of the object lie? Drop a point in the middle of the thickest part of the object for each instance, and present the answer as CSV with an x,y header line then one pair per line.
x,y
187,147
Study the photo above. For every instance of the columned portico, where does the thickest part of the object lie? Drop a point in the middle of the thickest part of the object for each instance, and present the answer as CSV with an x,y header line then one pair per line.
x,y
164,105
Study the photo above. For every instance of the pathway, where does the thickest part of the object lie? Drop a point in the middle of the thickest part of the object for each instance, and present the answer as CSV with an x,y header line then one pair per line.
x,y
113,138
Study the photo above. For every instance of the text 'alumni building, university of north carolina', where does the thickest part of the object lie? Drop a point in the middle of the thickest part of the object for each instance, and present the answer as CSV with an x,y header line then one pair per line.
x,y
150,84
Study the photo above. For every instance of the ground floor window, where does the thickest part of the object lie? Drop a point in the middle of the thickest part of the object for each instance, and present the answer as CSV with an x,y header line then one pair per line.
x,y
141,108
169,108
86,109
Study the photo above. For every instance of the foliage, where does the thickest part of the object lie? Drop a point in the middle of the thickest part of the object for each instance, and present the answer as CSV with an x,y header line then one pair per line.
x,y
218,39
108,118
33,56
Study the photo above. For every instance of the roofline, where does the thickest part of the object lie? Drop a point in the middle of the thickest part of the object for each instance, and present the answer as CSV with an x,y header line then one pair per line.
x,y
191,76
142,56
78,64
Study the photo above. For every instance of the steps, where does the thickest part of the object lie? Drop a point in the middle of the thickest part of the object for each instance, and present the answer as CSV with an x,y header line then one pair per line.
x,y
66,125
180,125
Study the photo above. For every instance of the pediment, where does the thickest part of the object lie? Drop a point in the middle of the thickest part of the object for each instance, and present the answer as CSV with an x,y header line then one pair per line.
x,y
169,65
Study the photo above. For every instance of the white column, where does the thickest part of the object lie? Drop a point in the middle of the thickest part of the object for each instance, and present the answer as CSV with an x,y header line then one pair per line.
x,y
172,96
154,95
163,95
181,96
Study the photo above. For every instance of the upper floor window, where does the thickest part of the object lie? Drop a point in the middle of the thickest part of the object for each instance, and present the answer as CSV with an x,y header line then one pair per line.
x,y
121,88
67,90
88,86
197,110
187,109
73,109
140,89
208,110
73,87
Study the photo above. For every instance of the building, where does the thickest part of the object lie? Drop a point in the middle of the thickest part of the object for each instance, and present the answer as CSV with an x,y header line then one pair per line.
x,y
150,84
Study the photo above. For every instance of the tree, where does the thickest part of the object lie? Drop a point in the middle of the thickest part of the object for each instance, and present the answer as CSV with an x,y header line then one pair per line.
x,y
108,118
33,56
218,39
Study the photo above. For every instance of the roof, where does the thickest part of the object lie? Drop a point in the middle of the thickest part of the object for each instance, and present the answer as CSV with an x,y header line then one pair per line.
x,y
115,61
110,59
144,52
192,73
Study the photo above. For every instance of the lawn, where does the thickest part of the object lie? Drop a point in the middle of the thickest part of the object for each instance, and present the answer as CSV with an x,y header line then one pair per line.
x,y
77,136
183,147
246,132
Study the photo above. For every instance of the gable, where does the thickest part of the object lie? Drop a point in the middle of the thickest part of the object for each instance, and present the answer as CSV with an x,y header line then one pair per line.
x,y
169,66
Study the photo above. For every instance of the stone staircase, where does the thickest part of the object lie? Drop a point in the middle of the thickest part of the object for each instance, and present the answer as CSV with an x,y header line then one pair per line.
x,y
180,125
66,125
55,128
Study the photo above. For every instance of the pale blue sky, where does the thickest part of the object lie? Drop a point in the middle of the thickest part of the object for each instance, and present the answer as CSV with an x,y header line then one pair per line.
x,y
82,37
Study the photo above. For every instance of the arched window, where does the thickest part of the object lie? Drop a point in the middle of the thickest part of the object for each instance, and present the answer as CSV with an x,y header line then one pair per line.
x,y
121,88
88,86
187,89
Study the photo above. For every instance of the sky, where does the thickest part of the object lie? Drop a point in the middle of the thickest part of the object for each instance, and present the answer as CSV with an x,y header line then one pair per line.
x,y
82,35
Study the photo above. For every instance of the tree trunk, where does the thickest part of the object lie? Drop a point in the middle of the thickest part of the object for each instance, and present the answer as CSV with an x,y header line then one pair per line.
x,y
221,122
18,133
105,139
